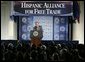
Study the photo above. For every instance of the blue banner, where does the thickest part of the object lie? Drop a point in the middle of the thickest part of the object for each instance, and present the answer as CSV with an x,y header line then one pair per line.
x,y
59,8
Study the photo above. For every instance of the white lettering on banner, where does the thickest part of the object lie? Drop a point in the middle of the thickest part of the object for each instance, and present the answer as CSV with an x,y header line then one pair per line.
x,y
47,11
51,5
53,11
36,11
45,5
49,8
25,5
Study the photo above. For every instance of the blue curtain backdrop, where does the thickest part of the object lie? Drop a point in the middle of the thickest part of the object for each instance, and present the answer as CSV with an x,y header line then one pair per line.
x,y
54,28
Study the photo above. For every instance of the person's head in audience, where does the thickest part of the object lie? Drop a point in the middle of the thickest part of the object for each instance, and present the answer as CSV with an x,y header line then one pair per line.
x,y
10,46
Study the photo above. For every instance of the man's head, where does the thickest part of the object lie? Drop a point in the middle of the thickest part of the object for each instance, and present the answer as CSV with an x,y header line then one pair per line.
x,y
37,23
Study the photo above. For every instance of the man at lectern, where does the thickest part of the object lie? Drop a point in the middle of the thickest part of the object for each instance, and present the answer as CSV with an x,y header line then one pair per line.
x,y
36,34
38,28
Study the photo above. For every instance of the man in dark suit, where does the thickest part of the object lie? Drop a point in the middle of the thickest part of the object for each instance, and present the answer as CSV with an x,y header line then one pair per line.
x,y
36,34
38,28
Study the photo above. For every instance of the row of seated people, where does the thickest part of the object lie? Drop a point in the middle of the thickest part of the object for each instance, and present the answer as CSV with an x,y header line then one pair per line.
x,y
46,52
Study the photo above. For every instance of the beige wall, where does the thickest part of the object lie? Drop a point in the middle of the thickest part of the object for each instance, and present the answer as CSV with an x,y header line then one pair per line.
x,y
78,29
9,28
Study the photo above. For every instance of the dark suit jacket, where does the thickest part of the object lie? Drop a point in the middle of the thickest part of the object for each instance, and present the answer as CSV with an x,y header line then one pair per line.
x,y
40,31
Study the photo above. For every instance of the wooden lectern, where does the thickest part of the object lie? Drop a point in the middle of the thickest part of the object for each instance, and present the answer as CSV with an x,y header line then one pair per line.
x,y
36,41
35,38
